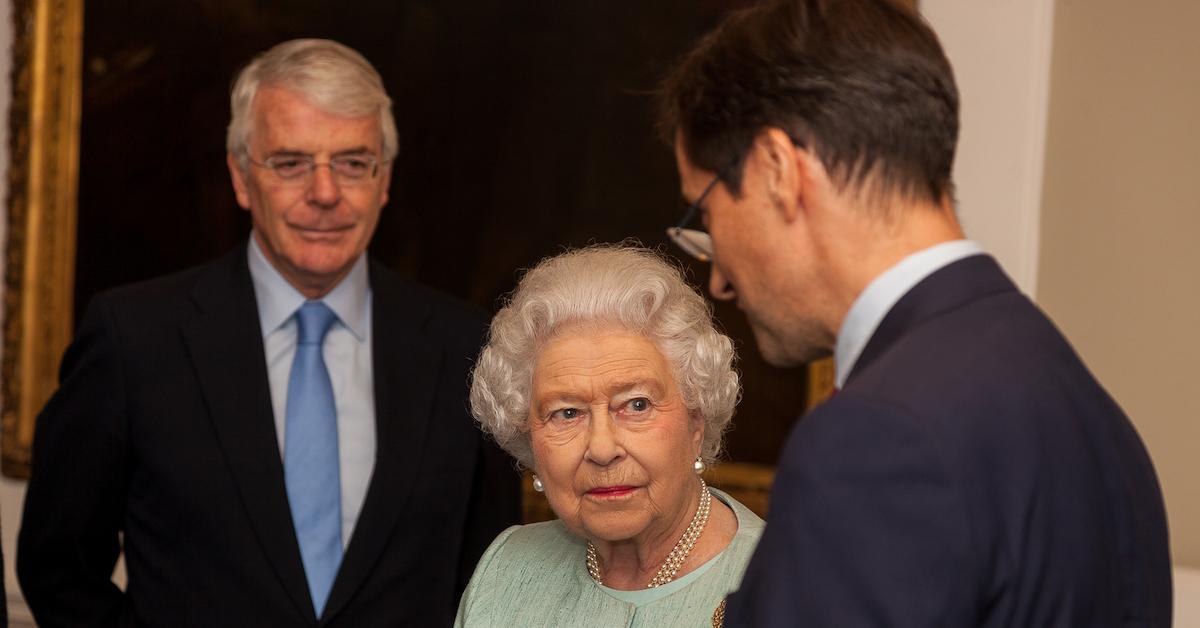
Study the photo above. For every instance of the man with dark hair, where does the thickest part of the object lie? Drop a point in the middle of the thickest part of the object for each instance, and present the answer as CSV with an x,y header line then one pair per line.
x,y
970,471
281,435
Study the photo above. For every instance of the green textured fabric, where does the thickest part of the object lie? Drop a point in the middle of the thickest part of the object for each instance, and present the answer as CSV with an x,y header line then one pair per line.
x,y
645,596
534,576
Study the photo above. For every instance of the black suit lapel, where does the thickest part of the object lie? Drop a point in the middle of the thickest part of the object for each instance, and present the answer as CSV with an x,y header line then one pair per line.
x,y
948,288
225,343
405,365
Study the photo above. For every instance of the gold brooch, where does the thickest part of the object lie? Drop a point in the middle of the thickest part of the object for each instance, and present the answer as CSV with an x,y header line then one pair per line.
x,y
719,615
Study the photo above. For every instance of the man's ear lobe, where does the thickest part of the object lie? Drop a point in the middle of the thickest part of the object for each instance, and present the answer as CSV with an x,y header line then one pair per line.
x,y
385,171
812,180
238,177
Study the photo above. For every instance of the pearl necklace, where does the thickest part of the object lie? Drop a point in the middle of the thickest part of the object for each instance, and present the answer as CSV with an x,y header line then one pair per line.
x,y
678,554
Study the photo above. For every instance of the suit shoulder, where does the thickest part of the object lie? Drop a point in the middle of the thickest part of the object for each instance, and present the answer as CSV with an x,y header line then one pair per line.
x,y
447,311
157,296
458,310
1003,346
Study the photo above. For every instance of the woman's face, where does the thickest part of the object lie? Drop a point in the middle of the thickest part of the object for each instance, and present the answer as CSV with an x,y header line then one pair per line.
x,y
612,440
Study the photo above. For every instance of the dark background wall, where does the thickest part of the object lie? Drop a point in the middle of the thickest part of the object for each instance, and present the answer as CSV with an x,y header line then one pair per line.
x,y
524,127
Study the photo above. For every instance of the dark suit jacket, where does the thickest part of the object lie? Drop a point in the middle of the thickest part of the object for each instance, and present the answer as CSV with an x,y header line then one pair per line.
x,y
162,429
970,473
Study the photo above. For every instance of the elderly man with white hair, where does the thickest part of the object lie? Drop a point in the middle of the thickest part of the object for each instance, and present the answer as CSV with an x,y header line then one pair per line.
x,y
280,435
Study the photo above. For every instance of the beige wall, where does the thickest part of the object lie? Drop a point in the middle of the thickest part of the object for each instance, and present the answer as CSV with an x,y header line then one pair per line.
x,y
1001,57
1119,261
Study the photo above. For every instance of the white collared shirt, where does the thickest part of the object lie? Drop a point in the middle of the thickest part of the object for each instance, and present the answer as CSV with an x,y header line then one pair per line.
x,y
347,352
883,292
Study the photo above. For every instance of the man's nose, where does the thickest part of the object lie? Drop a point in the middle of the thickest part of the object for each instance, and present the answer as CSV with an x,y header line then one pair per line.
x,y
718,285
323,188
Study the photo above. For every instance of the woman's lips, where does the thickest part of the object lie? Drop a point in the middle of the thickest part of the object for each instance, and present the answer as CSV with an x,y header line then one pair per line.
x,y
611,491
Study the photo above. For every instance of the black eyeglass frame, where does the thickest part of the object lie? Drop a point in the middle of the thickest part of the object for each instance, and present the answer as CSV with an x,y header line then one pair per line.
x,y
694,242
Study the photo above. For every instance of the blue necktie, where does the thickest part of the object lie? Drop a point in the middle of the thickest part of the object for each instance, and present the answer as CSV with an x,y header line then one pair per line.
x,y
310,455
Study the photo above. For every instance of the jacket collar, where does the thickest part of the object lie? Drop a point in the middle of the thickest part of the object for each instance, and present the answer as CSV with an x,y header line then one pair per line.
x,y
947,289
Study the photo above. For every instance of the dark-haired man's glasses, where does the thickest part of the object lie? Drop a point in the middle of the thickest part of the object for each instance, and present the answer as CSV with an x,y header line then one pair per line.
x,y
298,168
694,242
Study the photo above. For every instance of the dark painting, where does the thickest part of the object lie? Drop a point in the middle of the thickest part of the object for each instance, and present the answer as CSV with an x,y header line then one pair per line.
x,y
524,127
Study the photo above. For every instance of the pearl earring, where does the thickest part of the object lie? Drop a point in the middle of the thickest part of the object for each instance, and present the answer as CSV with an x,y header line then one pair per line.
x,y
698,466
537,484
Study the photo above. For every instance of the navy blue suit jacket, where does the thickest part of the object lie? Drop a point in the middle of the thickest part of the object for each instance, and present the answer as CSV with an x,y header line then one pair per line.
x,y
972,472
162,429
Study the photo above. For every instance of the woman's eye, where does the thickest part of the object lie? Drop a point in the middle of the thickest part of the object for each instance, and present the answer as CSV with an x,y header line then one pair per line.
x,y
568,414
641,404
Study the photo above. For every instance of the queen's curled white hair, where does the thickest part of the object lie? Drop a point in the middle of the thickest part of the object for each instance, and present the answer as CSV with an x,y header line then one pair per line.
x,y
622,285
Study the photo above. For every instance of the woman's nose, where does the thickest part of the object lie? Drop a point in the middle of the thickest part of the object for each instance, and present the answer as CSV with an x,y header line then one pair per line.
x,y
604,445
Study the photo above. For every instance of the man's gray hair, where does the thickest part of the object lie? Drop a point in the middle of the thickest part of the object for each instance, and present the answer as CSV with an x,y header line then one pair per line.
x,y
625,286
333,77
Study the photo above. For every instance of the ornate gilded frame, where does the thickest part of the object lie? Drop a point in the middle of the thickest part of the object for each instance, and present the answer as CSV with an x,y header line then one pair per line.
x,y
42,182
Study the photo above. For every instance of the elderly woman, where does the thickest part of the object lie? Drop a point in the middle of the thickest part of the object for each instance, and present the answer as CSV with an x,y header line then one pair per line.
x,y
605,375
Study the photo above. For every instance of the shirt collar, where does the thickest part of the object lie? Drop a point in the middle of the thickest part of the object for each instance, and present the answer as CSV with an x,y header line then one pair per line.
x,y
278,299
883,292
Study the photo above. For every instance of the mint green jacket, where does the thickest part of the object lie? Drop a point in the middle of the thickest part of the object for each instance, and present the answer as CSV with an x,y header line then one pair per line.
x,y
534,575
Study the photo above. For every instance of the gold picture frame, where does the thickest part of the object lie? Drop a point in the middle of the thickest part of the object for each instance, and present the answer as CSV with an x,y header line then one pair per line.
x,y
42,181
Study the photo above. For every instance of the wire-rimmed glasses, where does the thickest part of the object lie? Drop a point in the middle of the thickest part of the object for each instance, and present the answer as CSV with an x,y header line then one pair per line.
x,y
298,168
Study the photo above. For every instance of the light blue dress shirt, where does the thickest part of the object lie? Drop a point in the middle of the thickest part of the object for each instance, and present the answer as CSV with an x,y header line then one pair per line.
x,y
883,292
347,351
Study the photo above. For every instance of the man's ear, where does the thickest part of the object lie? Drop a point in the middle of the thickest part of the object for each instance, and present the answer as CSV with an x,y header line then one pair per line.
x,y
783,169
385,172
239,180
